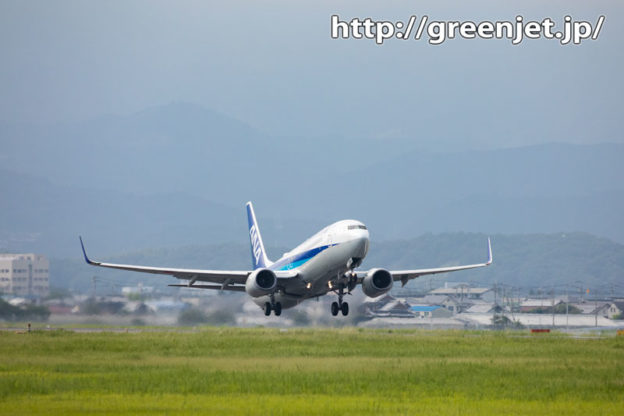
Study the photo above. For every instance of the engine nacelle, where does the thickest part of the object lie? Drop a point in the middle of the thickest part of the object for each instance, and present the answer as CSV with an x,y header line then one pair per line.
x,y
261,282
377,282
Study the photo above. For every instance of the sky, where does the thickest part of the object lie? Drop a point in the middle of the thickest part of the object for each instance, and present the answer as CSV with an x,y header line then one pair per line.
x,y
273,65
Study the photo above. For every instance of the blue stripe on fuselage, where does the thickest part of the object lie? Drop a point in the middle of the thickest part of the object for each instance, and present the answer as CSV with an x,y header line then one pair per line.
x,y
299,259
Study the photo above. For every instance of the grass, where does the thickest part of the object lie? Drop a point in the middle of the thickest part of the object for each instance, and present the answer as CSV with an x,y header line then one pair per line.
x,y
309,371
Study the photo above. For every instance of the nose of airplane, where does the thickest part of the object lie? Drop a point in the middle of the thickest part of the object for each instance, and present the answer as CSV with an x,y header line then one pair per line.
x,y
361,245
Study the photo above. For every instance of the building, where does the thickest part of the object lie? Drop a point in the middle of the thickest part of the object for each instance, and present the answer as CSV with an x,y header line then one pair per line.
x,y
397,309
539,305
374,304
24,274
461,291
447,302
431,311
614,310
387,306
484,307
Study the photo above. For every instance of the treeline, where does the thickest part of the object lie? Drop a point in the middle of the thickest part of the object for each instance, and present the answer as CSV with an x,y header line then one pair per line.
x,y
29,312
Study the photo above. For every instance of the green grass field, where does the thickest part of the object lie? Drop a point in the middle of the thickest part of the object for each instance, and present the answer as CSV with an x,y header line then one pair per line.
x,y
309,371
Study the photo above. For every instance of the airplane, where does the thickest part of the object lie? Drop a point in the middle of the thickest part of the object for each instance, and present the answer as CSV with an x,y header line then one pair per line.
x,y
323,263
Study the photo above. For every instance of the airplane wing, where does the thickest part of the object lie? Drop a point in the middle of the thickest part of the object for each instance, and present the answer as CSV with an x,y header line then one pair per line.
x,y
225,279
405,275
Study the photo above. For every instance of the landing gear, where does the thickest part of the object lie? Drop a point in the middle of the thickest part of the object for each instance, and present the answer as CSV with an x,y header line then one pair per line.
x,y
352,283
344,308
340,306
276,307
335,308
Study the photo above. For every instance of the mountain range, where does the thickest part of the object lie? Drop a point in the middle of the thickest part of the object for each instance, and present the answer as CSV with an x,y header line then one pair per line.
x,y
179,174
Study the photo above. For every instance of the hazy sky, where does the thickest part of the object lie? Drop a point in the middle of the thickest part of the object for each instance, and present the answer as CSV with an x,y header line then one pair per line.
x,y
273,65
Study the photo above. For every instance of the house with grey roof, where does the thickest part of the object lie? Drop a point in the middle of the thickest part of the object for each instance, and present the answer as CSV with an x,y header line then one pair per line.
x,y
615,310
430,311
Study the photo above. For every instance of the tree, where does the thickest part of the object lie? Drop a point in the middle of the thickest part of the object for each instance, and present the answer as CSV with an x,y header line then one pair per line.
x,y
561,309
91,307
192,316
503,322
28,312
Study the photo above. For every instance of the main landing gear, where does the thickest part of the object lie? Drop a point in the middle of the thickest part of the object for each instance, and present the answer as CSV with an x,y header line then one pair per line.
x,y
340,306
276,307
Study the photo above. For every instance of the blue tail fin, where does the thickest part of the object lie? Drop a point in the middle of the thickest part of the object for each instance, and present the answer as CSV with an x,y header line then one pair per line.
x,y
258,254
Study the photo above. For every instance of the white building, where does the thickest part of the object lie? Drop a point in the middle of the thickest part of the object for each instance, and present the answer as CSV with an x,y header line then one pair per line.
x,y
24,274
461,291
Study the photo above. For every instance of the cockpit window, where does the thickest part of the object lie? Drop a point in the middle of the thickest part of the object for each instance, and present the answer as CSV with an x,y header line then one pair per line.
x,y
357,227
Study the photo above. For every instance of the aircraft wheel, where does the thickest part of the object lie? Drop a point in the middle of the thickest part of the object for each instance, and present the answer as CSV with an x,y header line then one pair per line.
x,y
278,309
344,308
334,308
267,309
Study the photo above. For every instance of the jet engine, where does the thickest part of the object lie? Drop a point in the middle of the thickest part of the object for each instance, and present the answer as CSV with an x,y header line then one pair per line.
x,y
260,282
377,282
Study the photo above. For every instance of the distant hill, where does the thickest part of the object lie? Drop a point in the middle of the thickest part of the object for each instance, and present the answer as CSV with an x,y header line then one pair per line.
x,y
173,148
527,262
534,189
42,217
178,147
520,260
179,174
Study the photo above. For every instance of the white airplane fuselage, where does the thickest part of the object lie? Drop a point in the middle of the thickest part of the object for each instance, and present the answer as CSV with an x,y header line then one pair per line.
x,y
326,256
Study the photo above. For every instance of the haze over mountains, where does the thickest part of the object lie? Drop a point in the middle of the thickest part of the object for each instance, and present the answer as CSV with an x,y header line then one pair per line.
x,y
180,174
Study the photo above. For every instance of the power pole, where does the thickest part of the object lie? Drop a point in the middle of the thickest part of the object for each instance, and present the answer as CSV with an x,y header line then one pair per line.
x,y
495,294
552,301
503,301
511,304
567,305
596,307
541,295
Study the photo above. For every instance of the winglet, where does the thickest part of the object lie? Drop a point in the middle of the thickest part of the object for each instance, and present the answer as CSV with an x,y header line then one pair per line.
x,y
489,253
84,253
